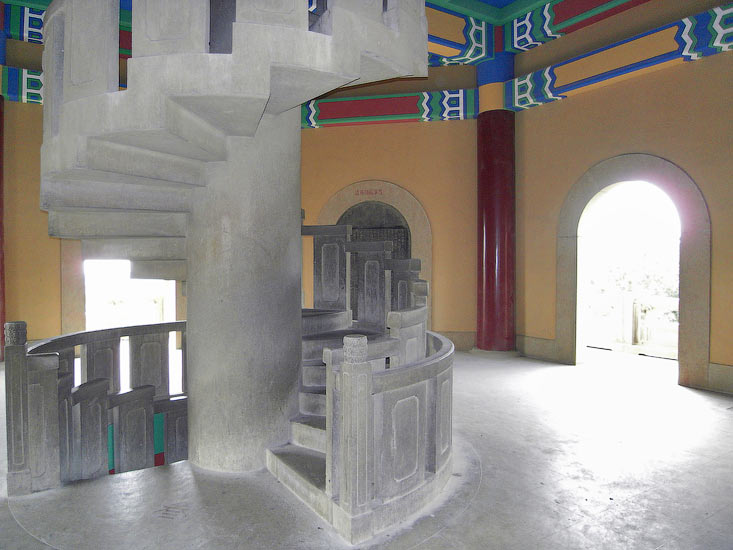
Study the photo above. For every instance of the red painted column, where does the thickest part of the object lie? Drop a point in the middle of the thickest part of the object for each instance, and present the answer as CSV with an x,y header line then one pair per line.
x,y
496,231
2,233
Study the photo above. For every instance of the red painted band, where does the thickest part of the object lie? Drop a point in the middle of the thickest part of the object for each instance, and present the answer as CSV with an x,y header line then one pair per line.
x,y
567,9
604,15
382,106
366,122
126,40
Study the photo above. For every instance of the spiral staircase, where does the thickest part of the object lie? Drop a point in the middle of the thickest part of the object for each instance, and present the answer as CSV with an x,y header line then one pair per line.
x,y
120,168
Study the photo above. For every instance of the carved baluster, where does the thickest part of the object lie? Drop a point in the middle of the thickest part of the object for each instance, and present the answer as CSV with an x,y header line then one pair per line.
x,y
331,265
373,282
89,456
333,422
357,438
16,409
43,421
66,425
132,418
102,360
149,361
175,443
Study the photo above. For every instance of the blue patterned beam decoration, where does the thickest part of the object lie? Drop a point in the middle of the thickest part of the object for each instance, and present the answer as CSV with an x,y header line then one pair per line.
x,y
693,38
22,85
456,39
22,23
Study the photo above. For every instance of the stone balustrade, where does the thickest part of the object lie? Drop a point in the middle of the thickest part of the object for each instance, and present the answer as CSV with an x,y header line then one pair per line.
x,y
389,439
59,432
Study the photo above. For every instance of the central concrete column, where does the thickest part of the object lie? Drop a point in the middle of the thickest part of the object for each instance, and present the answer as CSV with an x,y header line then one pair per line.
x,y
244,316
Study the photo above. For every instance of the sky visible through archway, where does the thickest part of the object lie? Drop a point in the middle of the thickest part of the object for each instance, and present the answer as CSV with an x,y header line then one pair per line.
x,y
628,270
114,299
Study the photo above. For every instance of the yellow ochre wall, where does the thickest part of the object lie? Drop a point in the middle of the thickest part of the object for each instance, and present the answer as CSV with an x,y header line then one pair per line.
x,y
32,258
436,162
682,114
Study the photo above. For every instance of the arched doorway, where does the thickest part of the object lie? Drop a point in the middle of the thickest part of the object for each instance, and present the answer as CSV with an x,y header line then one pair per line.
x,y
376,221
695,240
628,272
404,202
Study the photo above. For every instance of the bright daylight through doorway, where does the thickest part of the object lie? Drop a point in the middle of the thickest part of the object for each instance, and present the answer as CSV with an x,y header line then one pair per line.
x,y
113,299
628,271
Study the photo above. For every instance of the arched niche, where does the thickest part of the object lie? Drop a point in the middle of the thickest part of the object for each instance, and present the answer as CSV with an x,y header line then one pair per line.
x,y
695,246
404,202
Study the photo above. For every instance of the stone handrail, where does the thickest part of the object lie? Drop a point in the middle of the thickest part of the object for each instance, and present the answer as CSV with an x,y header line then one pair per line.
x,y
389,439
59,433
59,343
418,371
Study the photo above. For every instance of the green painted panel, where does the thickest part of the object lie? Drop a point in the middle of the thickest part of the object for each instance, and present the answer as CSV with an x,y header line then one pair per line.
x,y
110,447
159,433
37,4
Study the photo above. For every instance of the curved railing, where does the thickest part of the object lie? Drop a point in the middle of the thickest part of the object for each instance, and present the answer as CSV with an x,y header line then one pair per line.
x,y
61,431
65,341
388,427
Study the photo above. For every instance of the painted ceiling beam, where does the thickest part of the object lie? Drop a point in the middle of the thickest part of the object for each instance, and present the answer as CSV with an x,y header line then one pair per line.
x,y
473,8
495,16
35,4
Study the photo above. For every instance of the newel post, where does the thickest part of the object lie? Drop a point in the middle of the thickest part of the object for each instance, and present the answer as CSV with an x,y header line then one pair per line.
x,y
16,409
357,431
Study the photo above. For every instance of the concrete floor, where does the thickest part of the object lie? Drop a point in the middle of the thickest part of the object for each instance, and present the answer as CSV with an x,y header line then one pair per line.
x,y
610,454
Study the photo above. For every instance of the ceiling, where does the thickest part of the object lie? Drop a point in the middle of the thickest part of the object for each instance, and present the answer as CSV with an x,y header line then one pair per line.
x,y
496,12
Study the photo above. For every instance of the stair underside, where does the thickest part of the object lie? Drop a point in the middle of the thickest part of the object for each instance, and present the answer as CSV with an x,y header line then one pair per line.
x,y
142,248
105,224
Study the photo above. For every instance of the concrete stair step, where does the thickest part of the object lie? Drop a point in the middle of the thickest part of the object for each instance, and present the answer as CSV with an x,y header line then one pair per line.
x,y
169,270
313,375
303,471
312,403
195,130
95,177
163,141
291,86
77,190
323,320
309,431
123,158
91,224
232,115
144,248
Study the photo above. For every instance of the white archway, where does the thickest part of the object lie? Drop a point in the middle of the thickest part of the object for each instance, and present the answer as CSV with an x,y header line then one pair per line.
x,y
695,242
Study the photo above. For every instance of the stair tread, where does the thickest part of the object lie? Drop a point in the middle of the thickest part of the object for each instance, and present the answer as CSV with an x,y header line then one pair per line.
x,y
310,464
319,390
162,141
313,420
92,176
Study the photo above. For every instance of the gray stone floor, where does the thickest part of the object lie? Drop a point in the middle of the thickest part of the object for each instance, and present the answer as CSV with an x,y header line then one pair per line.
x,y
610,454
